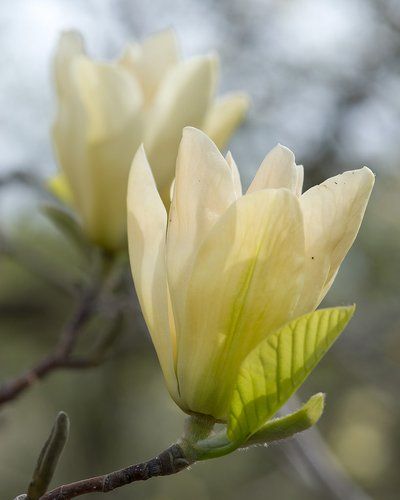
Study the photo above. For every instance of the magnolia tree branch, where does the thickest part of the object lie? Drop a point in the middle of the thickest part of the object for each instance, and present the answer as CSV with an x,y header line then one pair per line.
x,y
63,357
23,177
170,461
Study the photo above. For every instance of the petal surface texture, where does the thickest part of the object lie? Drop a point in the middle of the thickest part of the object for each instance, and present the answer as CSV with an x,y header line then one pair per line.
x,y
151,60
99,114
203,190
245,283
332,213
69,125
237,183
182,99
299,180
147,224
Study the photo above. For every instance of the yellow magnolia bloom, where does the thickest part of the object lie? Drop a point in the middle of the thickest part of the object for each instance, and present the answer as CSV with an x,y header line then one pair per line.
x,y
224,269
105,110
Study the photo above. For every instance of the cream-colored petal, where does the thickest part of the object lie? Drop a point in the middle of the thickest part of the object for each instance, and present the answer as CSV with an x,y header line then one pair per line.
x,y
299,180
203,191
171,190
69,128
278,170
224,116
245,283
108,165
333,212
70,45
110,96
151,60
237,183
183,99
147,224
96,134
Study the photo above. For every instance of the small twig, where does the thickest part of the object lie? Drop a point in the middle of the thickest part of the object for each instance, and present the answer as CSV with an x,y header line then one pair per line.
x,y
60,358
23,177
170,461
70,334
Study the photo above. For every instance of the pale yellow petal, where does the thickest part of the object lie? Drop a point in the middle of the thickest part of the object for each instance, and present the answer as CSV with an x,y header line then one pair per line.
x,y
224,116
333,212
183,99
70,45
246,282
203,190
108,165
151,60
278,170
96,135
110,95
147,223
237,183
69,128
299,180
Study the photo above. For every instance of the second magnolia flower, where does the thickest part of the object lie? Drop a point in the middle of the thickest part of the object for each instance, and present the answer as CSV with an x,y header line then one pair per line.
x,y
224,270
106,110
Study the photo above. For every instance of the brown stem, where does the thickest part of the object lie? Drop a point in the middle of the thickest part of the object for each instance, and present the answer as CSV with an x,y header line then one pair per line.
x,y
170,461
106,279
59,358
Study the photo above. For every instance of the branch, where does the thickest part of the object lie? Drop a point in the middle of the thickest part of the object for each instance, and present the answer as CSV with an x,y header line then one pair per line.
x,y
59,358
23,177
108,275
170,461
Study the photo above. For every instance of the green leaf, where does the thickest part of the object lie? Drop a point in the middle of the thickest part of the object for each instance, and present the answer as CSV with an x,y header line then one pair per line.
x,y
278,366
219,444
298,421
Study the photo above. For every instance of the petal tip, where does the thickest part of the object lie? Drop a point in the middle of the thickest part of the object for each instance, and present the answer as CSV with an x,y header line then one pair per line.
x,y
283,149
194,133
368,171
242,100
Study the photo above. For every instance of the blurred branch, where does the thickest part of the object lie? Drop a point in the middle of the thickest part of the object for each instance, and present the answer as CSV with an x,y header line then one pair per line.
x,y
319,460
63,356
22,177
60,358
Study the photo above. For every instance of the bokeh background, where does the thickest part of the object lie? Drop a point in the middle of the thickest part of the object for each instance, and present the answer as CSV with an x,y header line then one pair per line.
x,y
324,77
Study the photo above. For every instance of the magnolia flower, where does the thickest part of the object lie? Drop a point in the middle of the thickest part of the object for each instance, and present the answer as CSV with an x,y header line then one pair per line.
x,y
105,110
224,270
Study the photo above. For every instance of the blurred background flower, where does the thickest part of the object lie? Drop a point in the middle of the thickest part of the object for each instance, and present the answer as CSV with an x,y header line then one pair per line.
x,y
324,81
105,110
